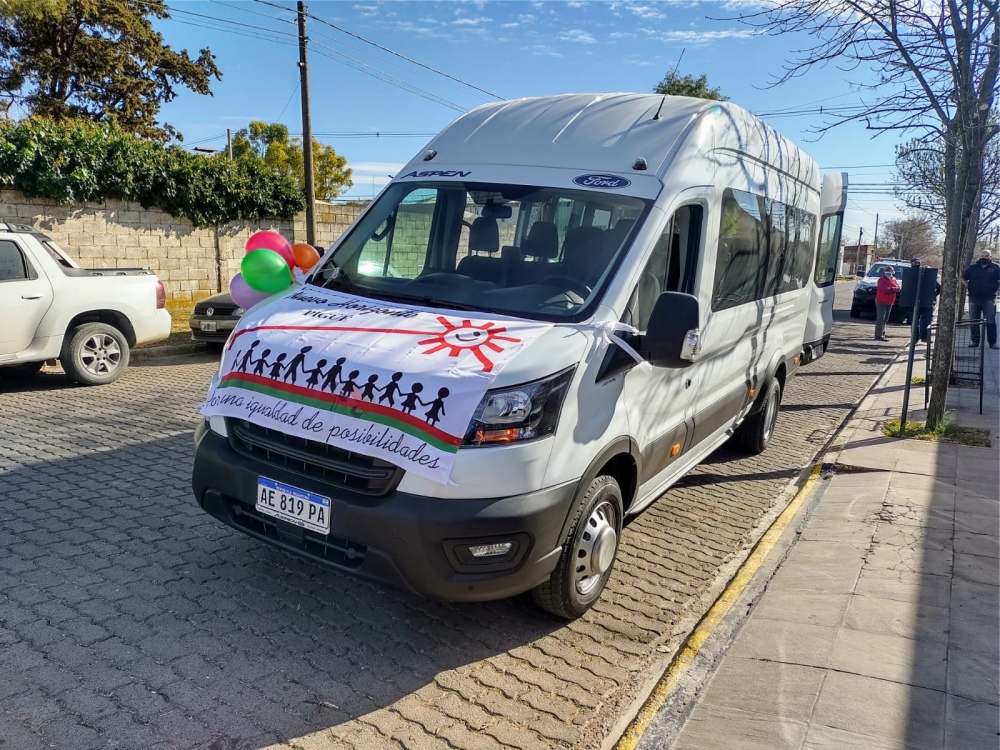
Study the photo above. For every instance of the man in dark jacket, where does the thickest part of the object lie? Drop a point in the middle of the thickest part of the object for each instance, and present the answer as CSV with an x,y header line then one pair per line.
x,y
983,280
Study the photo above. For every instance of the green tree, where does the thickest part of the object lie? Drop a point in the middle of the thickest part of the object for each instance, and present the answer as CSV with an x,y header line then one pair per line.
x,y
96,59
271,143
674,85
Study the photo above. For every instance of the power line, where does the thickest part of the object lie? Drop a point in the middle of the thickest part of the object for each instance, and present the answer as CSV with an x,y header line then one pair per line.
x,y
390,51
386,77
227,20
358,65
290,97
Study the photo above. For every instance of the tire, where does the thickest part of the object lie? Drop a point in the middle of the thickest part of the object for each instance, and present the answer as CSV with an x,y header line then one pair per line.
x,y
855,311
20,371
588,555
757,430
95,354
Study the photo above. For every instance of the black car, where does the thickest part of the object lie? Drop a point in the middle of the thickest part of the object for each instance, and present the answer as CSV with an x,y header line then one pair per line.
x,y
214,319
864,293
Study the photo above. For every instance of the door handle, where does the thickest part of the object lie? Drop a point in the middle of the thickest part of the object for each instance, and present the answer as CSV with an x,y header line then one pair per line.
x,y
31,296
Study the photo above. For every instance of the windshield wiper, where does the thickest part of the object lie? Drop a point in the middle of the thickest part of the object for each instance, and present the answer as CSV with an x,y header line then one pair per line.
x,y
427,301
340,275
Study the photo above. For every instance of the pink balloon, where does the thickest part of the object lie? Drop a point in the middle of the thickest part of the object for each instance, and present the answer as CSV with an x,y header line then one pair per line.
x,y
243,295
270,240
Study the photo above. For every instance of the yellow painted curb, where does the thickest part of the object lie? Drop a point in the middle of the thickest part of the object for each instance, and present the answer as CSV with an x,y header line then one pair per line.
x,y
706,627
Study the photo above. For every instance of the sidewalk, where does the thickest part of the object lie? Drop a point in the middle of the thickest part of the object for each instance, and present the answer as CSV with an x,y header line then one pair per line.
x,y
880,628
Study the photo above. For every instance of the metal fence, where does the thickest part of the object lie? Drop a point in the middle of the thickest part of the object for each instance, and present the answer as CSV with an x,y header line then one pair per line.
x,y
967,360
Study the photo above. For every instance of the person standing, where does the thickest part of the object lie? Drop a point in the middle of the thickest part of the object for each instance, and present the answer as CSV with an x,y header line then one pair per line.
x,y
925,312
982,279
885,296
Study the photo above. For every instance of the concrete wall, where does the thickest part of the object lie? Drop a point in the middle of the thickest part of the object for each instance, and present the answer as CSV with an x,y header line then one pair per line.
x,y
193,263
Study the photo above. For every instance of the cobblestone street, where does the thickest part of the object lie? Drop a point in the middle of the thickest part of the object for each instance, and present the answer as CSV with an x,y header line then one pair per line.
x,y
131,619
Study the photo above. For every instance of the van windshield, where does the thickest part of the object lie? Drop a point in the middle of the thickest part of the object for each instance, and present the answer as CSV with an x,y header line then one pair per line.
x,y
534,252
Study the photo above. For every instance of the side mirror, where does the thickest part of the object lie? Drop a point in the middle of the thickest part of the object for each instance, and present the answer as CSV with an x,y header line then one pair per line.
x,y
673,338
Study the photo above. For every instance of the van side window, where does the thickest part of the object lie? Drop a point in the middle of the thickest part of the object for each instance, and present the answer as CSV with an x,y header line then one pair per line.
x,y
765,248
829,243
672,264
13,266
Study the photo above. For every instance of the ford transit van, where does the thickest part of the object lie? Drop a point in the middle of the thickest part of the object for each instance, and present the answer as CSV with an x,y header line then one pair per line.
x,y
556,309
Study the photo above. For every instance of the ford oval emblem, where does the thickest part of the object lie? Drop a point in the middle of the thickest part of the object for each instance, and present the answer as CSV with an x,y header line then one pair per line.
x,y
602,181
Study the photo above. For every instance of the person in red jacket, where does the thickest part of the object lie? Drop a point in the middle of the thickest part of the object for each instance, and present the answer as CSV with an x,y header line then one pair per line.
x,y
885,297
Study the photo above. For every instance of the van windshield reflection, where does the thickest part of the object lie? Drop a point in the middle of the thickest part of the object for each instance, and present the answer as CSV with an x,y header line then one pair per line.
x,y
536,252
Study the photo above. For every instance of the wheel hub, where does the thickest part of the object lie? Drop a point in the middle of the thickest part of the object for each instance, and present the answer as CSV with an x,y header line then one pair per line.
x,y
101,354
595,552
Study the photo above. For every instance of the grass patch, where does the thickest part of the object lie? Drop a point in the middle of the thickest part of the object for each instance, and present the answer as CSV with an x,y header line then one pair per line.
x,y
917,380
946,432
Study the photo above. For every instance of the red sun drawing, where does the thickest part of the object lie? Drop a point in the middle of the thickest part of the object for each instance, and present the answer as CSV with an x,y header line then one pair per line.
x,y
468,337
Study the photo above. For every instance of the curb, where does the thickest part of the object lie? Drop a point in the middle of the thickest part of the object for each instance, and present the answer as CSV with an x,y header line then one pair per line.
x,y
660,715
154,353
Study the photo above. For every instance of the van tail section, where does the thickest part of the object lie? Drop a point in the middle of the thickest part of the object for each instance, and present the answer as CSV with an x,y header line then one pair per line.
x,y
819,323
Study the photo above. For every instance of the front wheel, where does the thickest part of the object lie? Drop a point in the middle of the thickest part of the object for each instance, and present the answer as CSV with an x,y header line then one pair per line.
x,y
855,311
756,431
95,354
588,555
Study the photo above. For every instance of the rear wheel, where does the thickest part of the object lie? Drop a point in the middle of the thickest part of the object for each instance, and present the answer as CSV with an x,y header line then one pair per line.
x,y
588,555
95,354
756,431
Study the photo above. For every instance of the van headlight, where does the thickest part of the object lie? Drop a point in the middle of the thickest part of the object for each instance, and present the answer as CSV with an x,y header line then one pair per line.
x,y
521,412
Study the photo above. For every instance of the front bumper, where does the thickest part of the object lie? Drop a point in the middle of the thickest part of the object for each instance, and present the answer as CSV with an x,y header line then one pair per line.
x,y
223,327
407,540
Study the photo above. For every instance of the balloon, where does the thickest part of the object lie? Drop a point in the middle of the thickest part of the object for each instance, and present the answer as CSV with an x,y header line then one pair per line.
x,y
305,255
266,271
244,295
269,240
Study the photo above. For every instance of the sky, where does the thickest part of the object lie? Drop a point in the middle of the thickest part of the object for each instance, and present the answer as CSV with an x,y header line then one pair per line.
x,y
378,108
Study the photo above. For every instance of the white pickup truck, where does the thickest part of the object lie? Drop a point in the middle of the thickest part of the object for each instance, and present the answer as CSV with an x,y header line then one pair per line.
x,y
87,318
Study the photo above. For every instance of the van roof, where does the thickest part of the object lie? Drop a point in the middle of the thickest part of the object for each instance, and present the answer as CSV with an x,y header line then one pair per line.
x,y
600,132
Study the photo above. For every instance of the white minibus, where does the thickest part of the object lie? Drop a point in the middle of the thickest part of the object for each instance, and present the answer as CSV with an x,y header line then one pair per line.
x,y
556,309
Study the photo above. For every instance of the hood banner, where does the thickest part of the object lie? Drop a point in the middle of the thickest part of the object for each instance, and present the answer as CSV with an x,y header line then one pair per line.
x,y
387,380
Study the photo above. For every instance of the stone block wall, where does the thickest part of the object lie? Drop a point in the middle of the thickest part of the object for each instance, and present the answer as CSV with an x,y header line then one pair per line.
x,y
193,263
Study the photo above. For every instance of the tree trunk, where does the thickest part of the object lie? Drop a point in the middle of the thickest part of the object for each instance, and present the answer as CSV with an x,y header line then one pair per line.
x,y
944,347
963,162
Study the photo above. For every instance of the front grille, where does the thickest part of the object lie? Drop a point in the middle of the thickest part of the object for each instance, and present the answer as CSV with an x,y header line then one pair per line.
x,y
350,471
333,549
217,310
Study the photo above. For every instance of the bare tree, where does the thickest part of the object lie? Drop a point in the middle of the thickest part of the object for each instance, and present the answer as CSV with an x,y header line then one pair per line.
x,y
913,237
920,180
931,68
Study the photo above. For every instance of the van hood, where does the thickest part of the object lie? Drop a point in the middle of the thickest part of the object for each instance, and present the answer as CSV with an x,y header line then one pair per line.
x,y
383,379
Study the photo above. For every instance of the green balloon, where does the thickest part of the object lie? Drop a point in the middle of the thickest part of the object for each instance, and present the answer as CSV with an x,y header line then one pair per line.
x,y
266,271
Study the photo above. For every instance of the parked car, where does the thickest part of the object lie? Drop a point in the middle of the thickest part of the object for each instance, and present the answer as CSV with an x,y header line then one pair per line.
x,y
88,318
533,431
214,318
864,292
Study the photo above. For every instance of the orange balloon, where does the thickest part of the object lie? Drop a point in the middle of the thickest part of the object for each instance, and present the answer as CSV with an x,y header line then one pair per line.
x,y
305,255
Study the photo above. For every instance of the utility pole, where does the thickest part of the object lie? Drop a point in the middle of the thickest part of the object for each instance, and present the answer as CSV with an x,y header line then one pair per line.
x,y
229,143
307,140
875,241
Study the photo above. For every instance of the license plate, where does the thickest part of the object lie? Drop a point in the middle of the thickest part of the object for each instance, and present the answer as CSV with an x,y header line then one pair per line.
x,y
209,325
299,507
